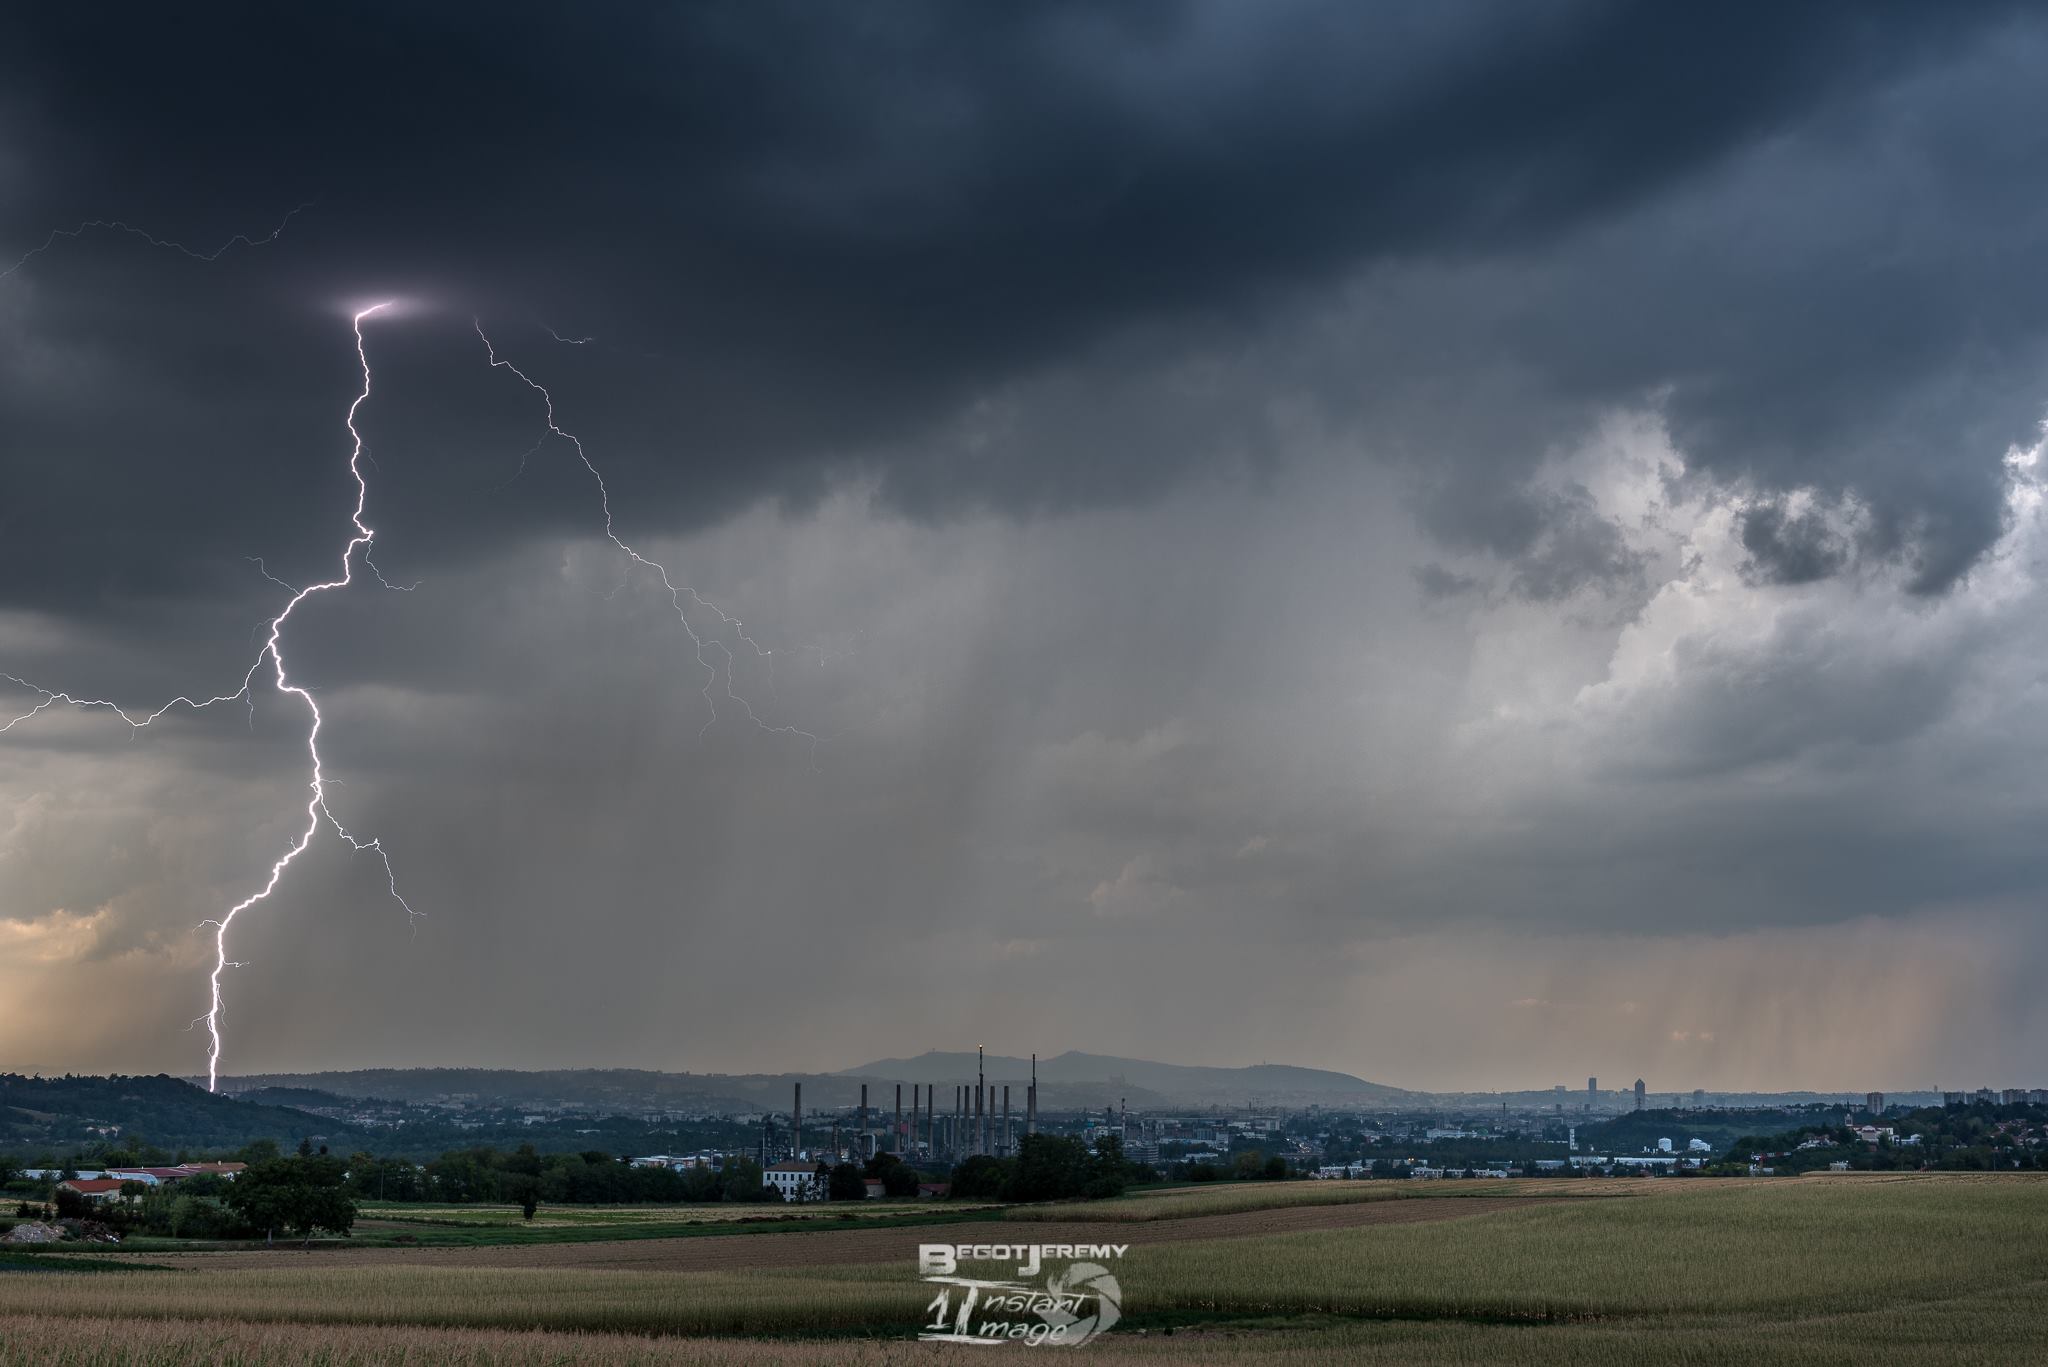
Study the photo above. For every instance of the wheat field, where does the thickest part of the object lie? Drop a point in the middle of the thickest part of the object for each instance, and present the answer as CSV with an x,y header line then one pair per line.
x,y
1699,1273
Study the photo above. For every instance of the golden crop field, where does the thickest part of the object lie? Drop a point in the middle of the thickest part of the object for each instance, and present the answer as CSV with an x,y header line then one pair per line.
x,y
1930,1270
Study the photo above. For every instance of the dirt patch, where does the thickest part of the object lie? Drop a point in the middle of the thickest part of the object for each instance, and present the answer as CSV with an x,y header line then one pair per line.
x,y
838,1248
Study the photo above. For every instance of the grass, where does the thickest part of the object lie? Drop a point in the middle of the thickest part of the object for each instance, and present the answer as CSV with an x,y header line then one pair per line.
x,y
1807,1247
30,1262
1948,1271
493,1226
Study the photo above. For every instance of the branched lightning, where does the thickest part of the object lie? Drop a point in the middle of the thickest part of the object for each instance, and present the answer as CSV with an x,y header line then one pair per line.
x,y
677,593
117,225
714,647
272,652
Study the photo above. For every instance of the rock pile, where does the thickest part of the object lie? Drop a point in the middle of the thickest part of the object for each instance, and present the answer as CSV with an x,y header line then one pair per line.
x,y
35,1232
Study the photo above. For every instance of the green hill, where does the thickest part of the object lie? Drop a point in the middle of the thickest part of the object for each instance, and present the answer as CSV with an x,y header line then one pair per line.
x,y
60,1113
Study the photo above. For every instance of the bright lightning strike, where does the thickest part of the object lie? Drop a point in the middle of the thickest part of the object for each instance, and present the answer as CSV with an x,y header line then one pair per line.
x,y
677,593
116,225
272,652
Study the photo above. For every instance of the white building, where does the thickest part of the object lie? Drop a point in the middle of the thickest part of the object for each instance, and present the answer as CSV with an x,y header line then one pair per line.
x,y
798,1179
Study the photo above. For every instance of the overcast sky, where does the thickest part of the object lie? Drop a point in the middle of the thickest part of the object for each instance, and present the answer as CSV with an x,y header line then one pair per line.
x,y
1471,544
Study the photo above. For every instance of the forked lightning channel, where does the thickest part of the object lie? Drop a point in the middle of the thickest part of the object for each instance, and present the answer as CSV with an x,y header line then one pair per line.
x,y
359,545
272,654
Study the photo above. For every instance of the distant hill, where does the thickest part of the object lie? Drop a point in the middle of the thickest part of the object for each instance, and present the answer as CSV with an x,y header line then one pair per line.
x,y
1071,1081
58,1113
620,1090
1076,1079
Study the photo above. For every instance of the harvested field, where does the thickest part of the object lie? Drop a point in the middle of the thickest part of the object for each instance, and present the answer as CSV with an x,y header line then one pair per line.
x,y
838,1248
1225,1198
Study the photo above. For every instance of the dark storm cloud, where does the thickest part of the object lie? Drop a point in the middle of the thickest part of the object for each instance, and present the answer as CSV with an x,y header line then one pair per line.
x,y
1238,484
1791,548
803,237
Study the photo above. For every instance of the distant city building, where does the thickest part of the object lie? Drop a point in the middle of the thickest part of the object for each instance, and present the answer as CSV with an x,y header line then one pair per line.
x,y
1699,1097
1640,1096
1592,1089
1874,1103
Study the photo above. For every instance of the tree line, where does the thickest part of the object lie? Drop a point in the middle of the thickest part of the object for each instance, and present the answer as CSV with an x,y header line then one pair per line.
x,y
1050,1167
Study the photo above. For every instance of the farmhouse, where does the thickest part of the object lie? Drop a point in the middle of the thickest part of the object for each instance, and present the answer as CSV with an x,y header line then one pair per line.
x,y
95,1188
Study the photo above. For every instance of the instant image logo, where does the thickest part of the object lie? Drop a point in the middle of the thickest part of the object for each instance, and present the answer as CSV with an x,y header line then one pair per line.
x,y
1068,1306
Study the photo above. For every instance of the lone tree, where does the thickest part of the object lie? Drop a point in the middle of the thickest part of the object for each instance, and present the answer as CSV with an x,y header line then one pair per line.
x,y
846,1184
898,1177
297,1195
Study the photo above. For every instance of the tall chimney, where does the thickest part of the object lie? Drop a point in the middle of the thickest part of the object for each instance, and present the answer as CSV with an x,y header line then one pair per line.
x,y
796,1124
1006,1120
896,1135
862,1142
1031,1100
980,1116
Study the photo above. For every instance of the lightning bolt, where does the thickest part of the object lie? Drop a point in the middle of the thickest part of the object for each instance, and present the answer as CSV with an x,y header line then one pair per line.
x,y
272,653
681,596
117,225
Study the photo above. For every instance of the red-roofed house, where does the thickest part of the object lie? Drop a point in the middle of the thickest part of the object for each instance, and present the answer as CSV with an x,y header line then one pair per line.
x,y
95,1188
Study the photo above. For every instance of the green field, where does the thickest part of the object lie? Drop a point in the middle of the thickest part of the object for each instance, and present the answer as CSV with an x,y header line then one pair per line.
x,y
1935,1269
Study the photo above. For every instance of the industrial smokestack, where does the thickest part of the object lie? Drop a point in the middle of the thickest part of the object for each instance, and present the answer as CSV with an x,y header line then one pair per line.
x,y
861,1143
796,1124
980,1116
1031,1100
896,1134
1006,1120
